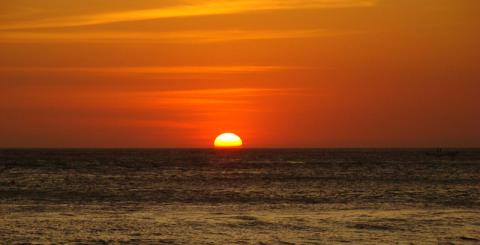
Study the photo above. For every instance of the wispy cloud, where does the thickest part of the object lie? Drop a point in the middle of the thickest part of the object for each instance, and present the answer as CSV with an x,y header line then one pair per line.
x,y
192,8
226,93
205,105
155,69
201,97
165,37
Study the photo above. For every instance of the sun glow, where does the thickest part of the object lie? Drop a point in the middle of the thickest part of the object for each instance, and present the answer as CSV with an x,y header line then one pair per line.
x,y
228,140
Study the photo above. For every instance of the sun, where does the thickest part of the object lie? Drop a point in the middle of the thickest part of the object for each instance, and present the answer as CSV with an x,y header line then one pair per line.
x,y
228,140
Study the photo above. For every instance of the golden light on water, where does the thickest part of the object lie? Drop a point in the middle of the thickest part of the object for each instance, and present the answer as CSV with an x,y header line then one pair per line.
x,y
228,140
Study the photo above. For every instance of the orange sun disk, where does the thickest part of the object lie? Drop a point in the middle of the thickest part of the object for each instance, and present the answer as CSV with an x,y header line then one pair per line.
x,y
228,140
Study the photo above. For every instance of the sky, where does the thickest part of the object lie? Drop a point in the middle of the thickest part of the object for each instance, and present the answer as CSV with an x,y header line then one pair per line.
x,y
279,73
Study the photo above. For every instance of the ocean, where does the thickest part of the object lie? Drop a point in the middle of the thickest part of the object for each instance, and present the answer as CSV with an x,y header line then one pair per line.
x,y
242,196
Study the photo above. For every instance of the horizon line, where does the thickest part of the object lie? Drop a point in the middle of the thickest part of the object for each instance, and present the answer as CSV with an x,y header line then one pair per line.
x,y
241,148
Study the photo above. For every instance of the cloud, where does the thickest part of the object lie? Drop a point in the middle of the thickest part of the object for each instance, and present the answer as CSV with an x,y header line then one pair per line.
x,y
190,9
202,97
207,108
164,37
154,69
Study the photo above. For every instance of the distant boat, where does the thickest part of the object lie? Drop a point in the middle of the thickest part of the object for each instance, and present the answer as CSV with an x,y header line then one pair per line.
x,y
442,153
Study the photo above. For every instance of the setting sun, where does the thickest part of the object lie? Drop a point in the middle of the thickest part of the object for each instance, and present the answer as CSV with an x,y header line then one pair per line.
x,y
228,140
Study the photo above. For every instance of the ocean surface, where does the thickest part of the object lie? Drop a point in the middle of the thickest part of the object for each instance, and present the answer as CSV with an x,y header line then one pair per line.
x,y
245,196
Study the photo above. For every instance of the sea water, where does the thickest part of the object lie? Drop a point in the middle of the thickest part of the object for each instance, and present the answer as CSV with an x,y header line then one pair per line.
x,y
243,196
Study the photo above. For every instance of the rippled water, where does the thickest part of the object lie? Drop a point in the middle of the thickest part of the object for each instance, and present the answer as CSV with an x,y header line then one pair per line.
x,y
240,196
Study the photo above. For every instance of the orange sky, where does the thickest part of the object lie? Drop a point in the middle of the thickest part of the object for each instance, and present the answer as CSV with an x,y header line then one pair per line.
x,y
280,73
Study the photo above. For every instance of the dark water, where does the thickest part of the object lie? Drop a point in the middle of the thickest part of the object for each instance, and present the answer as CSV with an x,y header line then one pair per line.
x,y
240,196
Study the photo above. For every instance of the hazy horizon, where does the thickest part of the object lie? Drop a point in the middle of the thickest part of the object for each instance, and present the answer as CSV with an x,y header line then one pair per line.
x,y
243,147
